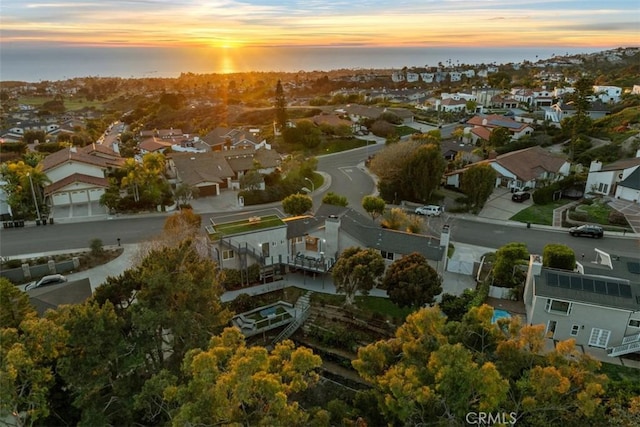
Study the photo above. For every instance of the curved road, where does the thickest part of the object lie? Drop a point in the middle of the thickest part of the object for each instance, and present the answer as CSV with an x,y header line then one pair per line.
x,y
347,179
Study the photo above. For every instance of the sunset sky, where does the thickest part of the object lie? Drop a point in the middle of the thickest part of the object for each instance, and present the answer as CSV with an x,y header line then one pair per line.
x,y
252,23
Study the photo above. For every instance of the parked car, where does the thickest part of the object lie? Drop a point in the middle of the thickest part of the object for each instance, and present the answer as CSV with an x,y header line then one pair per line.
x,y
587,230
520,196
45,281
429,210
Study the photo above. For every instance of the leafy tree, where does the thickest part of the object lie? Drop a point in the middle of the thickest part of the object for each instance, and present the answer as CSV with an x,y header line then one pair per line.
x,y
439,372
297,204
96,370
508,257
456,306
33,136
501,80
411,282
357,270
580,123
27,354
499,137
478,182
252,180
374,206
424,171
232,384
556,255
471,106
14,305
281,104
184,193
332,198
24,183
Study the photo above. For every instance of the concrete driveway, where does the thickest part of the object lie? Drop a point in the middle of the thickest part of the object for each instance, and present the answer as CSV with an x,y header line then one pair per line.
x,y
501,207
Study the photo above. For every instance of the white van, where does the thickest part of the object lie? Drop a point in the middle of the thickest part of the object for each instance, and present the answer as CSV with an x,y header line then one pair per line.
x,y
429,210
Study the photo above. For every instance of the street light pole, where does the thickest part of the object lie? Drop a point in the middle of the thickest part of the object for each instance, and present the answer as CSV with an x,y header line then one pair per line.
x,y
313,187
33,193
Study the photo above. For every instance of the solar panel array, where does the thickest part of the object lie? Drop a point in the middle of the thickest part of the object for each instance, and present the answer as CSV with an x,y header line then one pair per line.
x,y
602,286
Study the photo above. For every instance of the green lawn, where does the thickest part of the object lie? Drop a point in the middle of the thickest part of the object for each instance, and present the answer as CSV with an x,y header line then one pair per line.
x,y
539,214
596,212
71,104
331,145
405,130
369,303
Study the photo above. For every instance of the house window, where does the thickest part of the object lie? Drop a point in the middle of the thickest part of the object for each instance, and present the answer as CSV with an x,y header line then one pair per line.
x,y
387,255
634,323
574,330
311,244
265,249
599,337
228,254
558,307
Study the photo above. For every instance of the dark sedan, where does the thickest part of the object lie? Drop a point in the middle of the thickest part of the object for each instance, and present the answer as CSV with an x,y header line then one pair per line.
x,y
587,230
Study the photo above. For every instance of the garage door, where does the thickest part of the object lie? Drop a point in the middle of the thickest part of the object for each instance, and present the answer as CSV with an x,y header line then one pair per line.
x,y
206,191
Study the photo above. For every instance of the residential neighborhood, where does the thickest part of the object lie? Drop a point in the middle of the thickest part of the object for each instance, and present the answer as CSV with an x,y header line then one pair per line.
x,y
338,211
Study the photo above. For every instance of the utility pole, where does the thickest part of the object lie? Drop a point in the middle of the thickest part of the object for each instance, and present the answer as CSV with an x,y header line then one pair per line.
x,y
33,193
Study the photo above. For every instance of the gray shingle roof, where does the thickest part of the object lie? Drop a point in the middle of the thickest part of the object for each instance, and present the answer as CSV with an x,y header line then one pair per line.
x,y
601,290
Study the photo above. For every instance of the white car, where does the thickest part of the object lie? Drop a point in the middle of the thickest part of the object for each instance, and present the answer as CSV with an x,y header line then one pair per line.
x,y
46,280
429,210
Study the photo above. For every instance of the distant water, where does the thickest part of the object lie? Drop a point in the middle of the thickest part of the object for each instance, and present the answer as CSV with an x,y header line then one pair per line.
x,y
61,63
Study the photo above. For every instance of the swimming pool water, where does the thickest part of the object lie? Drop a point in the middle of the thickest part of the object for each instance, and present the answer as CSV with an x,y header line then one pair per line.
x,y
499,314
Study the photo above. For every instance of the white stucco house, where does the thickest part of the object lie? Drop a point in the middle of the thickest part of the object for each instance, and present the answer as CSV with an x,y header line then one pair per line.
x,y
78,179
529,167
620,179
607,94
314,242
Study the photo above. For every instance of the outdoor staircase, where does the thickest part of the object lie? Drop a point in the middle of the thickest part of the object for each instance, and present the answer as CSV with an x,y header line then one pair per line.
x,y
302,306
630,344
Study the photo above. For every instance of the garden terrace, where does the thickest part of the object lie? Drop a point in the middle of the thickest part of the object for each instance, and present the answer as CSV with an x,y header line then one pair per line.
x,y
248,225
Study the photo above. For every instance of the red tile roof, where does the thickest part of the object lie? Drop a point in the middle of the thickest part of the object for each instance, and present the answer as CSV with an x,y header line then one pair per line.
x,y
76,177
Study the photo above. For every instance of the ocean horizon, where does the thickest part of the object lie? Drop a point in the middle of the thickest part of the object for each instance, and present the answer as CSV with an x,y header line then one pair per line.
x,y
62,63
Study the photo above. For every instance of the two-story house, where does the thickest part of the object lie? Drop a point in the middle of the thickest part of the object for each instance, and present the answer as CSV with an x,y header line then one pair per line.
x,y
493,121
598,305
620,179
313,243
78,179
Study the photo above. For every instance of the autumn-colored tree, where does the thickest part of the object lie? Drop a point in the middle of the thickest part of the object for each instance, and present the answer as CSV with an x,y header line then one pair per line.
x,y
229,383
357,270
394,219
437,372
374,206
297,204
185,219
411,282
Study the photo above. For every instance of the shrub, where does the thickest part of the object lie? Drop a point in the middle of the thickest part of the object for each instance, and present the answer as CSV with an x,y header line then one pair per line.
x,y
578,216
560,256
617,218
96,247
13,263
230,278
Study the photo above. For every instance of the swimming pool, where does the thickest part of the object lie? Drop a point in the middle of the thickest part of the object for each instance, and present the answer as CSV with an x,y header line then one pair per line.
x,y
499,314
